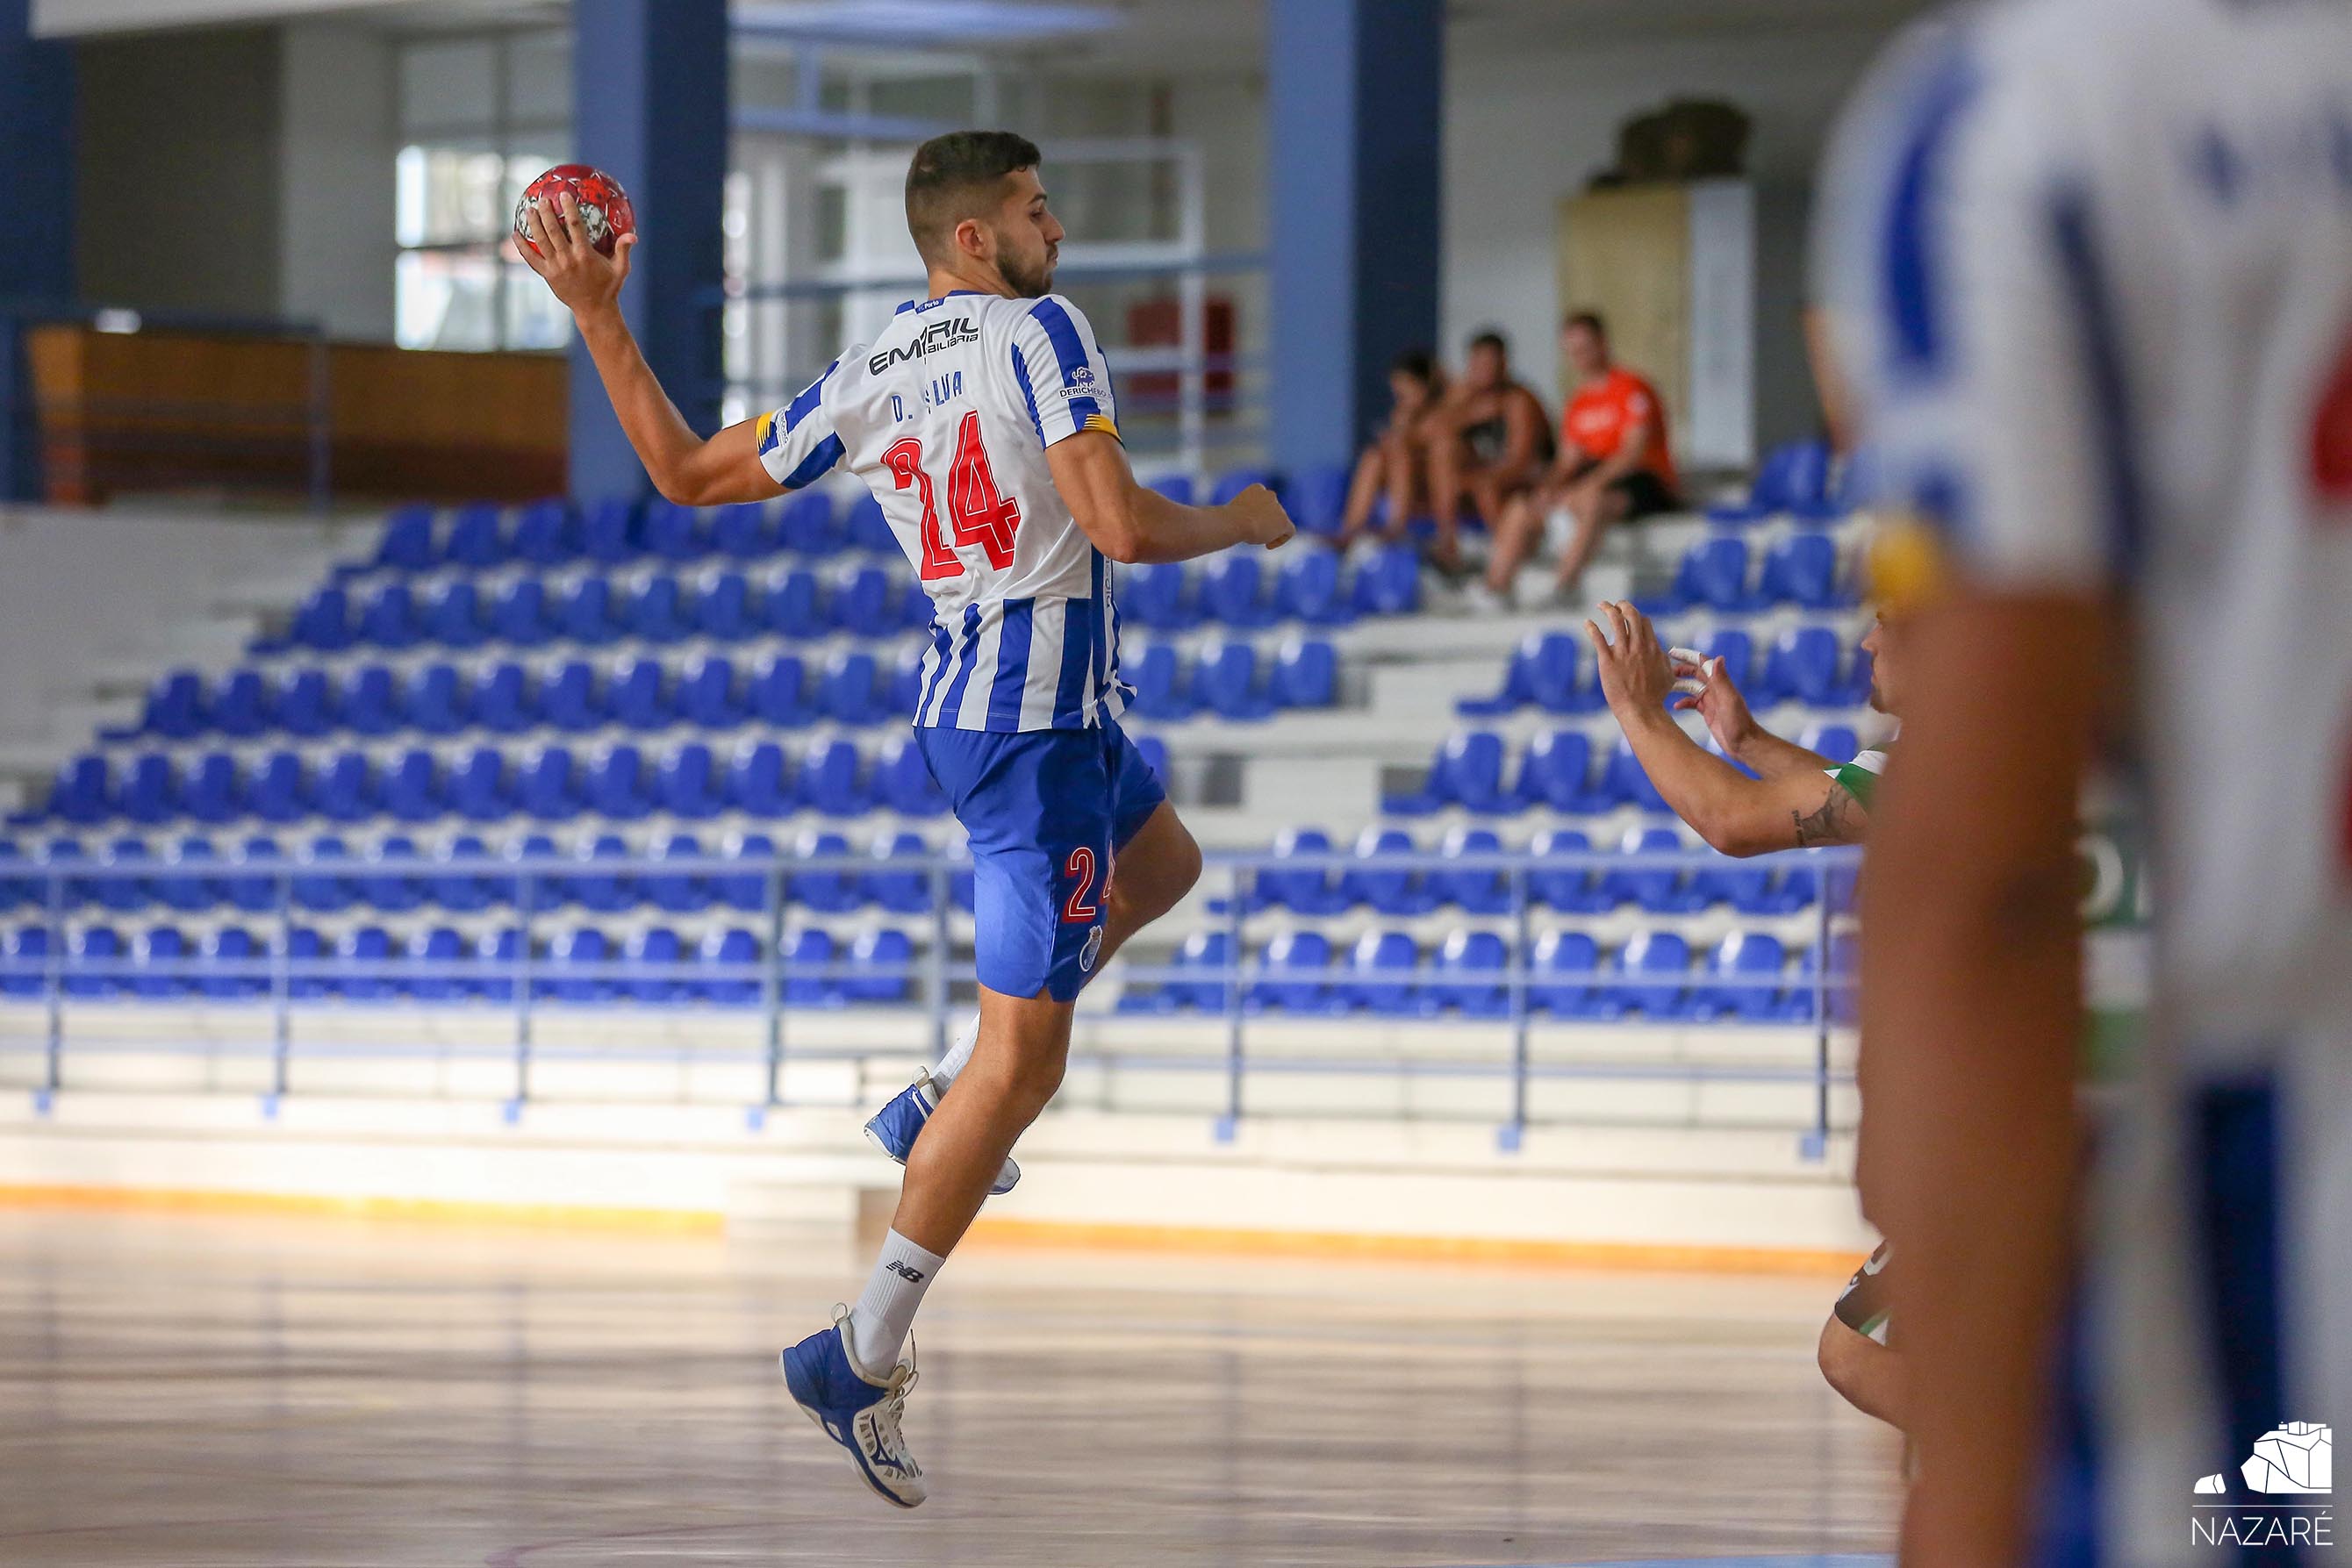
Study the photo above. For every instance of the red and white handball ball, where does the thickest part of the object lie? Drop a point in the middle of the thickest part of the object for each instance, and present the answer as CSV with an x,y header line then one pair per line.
x,y
603,205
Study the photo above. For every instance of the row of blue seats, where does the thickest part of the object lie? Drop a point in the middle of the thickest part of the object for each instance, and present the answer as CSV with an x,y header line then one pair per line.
x,y
547,783
1797,479
1716,574
368,964
1747,977
1553,671
466,877
1557,771
852,687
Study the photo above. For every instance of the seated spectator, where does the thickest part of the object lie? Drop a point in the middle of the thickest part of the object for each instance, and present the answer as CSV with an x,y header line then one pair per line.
x,y
1613,466
1488,441
1395,464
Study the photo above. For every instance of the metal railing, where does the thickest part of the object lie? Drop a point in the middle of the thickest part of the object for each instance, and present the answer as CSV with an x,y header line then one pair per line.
x,y
529,896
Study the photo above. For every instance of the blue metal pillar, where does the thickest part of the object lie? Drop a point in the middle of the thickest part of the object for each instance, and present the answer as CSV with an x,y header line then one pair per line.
x,y
649,108
37,262
1354,94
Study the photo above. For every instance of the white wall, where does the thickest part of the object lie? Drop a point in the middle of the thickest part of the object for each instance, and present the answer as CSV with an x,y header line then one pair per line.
x,y
338,136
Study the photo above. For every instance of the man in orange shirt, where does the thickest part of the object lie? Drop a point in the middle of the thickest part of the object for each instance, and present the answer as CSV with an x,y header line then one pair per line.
x,y
1613,466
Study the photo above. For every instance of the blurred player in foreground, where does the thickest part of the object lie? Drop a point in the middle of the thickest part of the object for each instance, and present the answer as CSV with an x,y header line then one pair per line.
x,y
983,420
1798,800
2089,267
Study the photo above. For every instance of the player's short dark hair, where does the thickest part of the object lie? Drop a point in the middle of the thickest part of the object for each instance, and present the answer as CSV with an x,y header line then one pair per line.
x,y
1418,363
1590,321
1490,339
959,176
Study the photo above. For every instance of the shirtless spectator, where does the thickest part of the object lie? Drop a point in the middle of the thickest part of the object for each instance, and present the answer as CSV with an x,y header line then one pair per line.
x,y
1488,441
1613,466
1395,464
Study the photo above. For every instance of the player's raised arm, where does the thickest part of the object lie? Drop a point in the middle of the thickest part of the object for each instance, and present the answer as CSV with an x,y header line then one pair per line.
x,y
1133,524
684,467
1796,805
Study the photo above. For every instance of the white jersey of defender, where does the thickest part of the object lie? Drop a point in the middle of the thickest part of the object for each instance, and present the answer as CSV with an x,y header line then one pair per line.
x,y
2091,266
945,417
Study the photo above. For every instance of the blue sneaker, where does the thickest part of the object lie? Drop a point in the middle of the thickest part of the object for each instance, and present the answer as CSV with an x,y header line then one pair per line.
x,y
860,1413
894,1128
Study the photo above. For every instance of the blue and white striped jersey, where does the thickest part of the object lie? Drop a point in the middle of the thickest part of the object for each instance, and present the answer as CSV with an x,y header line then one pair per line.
x,y
946,416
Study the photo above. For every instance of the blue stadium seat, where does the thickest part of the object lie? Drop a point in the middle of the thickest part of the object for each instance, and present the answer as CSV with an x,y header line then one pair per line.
x,y
1468,771
520,616
884,965
406,542
570,700
305,704
1209,950
672,532
915,608
850,692
547,787
577,968
240,708
213,793
452,616
1661,960
1305,673
61,857
1158,679
436,700
389,619
1804,665
345,791
1569,889
475,540
438,966
1562,982
659,612
476,787
689,786
539,884
412,791
1718,576
597,886
862,603
174,708
1803,570
778,695
706,693
1234,481
1309,890
1744,976
900,889
1294,975
724,609
636,697
902,781
1154,752
656,947
1233,590
741,532
762,780
308,964
746,889
806,525
866,527
546,534
836,780
608,534
1154,597
255,886
1475,891
191,888
17,888
729,962
1390,890
828,890
124,890
498,954
1224,681
1792,477
618,787
902,690
324,621
1468,977
25,971
1658,890
1316,498
1379,973
678,892
791,604
96,966
1177,488
1624,781
370,703
589,614
396,890
806,956
1389,581
1556,772
319,885
506,701
1307,588
83,792
280,790
463,883
233,964
1836,742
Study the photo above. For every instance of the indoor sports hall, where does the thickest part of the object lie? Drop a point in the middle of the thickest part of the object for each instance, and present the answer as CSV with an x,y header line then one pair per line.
x,y
459,908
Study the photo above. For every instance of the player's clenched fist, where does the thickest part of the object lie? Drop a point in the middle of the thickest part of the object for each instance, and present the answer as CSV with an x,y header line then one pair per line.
x,y
1264,520
584,280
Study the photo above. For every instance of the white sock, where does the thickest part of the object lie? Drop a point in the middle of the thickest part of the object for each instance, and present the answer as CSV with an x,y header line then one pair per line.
x,y
879,1322
958,1054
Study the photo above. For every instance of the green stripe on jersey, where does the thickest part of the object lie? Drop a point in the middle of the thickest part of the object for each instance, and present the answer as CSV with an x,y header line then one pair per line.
x,y
1859,778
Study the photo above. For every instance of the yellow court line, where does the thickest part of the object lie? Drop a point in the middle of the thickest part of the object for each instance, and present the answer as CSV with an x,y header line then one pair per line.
x,y
452,1211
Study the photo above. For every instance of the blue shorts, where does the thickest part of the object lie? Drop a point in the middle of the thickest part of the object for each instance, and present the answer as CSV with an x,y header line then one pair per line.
x,y
1047,810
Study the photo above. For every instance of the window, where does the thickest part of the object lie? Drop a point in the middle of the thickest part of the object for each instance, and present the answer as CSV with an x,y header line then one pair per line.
x,y
481,117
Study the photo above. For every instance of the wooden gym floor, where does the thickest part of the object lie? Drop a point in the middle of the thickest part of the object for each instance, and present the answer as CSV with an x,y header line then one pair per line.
x,y
199,1391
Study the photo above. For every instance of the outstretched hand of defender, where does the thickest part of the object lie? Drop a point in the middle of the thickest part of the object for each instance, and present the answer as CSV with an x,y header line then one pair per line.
x,y
1706,688
581,277
1636,676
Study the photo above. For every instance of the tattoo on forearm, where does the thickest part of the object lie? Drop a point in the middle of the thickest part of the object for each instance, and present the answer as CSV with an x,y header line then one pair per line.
x,y
1835,821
